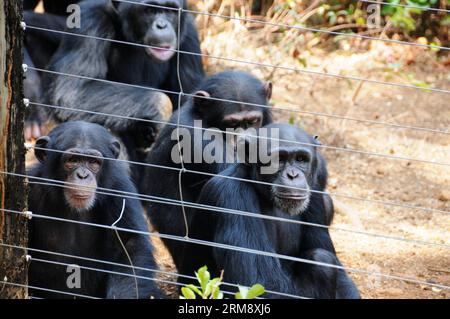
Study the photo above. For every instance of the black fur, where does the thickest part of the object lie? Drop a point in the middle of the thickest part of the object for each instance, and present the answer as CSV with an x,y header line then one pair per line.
x,y
284,238
234,86
121,63
39,46
82,240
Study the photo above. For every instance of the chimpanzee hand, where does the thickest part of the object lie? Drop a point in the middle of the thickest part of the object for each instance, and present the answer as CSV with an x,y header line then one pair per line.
x,y
33,124
144,134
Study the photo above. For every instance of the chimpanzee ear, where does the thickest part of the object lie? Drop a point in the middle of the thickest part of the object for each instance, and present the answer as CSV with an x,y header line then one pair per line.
x,y
268,89
200,99
115,148
41,143
317,140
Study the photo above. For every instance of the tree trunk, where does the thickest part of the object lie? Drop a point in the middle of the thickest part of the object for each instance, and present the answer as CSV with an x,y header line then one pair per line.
x,y
13,227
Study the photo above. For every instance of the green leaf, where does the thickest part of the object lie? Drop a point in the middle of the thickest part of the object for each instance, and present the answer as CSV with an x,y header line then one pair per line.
x,y
303,62
243,291
187,293
217,294
195,289
212,287
360,21
292,120
445,21
203,277
208,290
416,82
419,83
255,291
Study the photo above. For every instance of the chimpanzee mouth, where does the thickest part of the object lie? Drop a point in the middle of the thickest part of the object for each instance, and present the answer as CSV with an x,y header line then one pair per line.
x,y
292,196
291,202
161,52
80,200
81,196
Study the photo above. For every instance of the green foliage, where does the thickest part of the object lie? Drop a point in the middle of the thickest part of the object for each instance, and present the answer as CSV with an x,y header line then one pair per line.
x,y
250,293
402,17
210,288
353,13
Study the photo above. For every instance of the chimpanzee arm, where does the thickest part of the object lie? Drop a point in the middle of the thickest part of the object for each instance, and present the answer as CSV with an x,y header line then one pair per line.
x,y
319,238
246,232
124,286
42,44
89,58
138,247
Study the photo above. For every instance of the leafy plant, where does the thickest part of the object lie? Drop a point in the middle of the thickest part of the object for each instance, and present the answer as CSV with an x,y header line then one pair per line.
x,y
250,293
210,288
402,17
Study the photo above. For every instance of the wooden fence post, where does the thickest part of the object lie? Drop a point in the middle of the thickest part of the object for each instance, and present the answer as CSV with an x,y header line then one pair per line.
x,y
13,227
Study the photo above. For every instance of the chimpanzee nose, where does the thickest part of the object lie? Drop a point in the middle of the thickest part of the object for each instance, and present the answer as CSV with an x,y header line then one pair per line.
x,y
82,174
292,173
161,24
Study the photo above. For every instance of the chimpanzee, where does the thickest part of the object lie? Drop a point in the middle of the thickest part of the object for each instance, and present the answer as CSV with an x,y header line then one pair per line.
x,y
79,155
39,46
211,104
294,176
153,67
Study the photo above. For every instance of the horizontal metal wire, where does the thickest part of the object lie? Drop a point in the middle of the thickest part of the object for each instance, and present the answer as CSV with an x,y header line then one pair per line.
x,y
287,26
170,282
46,289
277,108
406,6
216,130
240,249
184,170
111,272
158,271
216,209
266,65
174,202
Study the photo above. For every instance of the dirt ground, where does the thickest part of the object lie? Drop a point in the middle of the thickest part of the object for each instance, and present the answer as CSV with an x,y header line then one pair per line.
x,y
364,176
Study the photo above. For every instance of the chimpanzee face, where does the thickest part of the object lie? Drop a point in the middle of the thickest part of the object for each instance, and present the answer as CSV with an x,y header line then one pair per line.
x,y
154,25
294,172
294,168
79,149
81,170
231,101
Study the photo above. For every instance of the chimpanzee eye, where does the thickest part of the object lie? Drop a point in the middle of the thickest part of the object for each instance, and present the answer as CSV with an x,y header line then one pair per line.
x,y
302,158
72,160
148,9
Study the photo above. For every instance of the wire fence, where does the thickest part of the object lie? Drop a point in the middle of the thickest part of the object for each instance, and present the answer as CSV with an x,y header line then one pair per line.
x,y
28,252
